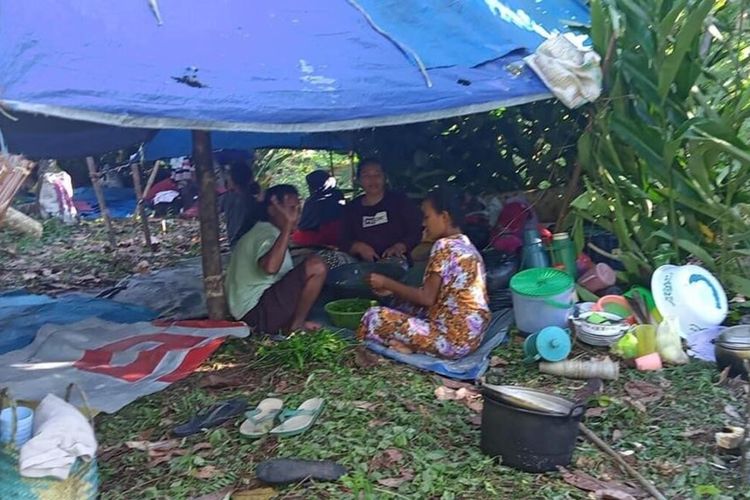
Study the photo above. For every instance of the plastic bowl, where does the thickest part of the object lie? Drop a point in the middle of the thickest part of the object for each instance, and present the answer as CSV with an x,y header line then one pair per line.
x,y
691,294
347,313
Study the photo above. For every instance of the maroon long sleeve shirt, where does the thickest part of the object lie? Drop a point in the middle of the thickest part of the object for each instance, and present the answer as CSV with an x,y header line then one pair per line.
x,y
396,219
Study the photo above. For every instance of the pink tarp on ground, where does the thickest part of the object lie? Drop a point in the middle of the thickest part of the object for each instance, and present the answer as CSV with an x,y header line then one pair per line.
x,y
113,363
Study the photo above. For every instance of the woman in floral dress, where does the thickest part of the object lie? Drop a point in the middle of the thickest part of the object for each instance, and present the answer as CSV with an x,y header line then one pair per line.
x,y
448,314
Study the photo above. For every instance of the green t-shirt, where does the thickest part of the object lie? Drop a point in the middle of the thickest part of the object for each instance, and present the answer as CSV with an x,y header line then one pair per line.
x,y
246,280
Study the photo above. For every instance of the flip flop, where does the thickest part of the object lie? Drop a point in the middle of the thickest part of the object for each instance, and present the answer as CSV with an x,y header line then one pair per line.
x,y
290,470
260,420
297,421
214,416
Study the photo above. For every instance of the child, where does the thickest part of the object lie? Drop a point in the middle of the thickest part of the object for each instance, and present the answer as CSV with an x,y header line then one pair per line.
x,y
447,316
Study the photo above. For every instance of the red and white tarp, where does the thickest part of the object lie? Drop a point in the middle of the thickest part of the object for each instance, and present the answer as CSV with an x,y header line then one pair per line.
x,y
113,363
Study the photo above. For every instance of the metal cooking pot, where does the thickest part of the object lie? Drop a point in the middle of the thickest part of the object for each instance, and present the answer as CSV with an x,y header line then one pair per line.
x,y
732,348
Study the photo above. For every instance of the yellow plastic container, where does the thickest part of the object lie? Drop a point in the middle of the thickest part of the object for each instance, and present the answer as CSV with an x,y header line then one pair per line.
x,y
646,335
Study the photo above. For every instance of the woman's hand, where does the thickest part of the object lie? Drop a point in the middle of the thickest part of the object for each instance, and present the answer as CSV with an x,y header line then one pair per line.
x,y
397,250
364,251
378,283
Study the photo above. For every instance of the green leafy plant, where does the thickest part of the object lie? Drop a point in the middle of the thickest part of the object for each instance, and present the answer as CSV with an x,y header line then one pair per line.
x,y
302,349
665,154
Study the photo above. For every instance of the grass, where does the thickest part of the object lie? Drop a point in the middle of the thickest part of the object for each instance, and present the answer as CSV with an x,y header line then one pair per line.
x,y
389,407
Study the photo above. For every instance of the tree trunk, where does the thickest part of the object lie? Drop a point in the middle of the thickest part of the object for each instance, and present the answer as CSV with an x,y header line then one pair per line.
x,y
96,183
135,169
209,222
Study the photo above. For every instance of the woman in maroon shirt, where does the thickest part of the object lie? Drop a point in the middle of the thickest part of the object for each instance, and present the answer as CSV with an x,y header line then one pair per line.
x,y
380,223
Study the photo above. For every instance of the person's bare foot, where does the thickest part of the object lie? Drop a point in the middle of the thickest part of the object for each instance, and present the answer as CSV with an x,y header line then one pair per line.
x,y
399,347
308,326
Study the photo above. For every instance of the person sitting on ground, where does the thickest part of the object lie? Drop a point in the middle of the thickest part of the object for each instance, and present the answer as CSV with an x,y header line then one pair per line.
x,y
379,224
263,288
448,315
239,203
320,223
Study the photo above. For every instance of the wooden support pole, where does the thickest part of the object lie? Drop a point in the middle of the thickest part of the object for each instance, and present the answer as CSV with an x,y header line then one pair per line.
x,y
135,169
213,282
96,184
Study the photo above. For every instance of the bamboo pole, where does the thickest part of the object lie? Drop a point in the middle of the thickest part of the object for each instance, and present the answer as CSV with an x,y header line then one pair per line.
x,y
745,447
648,485
209,226
135,169
96,184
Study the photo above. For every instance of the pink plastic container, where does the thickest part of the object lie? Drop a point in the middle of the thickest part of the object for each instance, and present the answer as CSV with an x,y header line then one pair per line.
x,y
598,278
649,362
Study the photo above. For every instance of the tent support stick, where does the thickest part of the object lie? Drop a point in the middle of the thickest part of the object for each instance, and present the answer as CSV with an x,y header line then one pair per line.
x,y
135,169
96,184
209,222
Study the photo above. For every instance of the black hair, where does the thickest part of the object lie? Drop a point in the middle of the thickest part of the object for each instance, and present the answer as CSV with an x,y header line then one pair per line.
x,y
450,200
368,161
280,191
241,174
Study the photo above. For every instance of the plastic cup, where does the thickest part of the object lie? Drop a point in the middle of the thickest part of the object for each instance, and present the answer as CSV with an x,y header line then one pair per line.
x,y
597,278
24,424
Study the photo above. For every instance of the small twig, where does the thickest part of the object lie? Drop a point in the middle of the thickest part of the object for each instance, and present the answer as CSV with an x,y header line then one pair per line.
x,y
648,485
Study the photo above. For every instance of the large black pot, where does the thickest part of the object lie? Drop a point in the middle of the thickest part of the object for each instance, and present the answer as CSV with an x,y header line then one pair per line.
x,y
528,440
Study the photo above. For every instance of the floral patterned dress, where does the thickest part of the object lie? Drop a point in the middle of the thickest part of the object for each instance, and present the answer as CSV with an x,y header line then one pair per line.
x,y
453,327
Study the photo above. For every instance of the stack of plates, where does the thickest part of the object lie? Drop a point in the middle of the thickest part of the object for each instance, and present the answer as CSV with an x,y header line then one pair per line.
x,y
600,328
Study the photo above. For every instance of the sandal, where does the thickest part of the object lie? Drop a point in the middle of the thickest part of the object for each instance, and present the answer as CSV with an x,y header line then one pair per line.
x,y
260,420
212,417
297,421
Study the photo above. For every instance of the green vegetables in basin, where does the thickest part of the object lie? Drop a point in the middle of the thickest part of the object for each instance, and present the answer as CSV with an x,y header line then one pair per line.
x,y
347,313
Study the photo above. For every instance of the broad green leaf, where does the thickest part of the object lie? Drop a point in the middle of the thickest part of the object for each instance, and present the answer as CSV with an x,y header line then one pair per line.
x,y
687,35
600,31
738,284
644,141
668,23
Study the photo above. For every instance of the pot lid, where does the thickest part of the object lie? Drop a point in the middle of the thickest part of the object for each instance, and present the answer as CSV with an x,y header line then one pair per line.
x,y
541,282
531,399
735,337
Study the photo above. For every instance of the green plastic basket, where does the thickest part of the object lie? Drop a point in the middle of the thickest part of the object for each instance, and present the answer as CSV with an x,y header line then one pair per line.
x,y
347,313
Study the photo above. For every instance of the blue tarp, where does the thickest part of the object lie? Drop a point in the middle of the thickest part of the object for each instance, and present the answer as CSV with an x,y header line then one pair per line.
x,y
22,314
121,202
173,143
271,66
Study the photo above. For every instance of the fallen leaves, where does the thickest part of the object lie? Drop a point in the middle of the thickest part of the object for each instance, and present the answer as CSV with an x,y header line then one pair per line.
x,y
497,361
385,459
469,397
365,359
389,459
395,482
213,381
158,451
601,489
643,392
207,472
265,493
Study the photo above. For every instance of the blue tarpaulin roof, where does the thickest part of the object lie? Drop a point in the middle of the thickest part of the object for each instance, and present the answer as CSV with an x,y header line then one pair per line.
x,y
172,143
281,66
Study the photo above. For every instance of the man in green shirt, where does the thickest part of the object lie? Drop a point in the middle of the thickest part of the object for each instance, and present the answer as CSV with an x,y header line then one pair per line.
x,y
263,287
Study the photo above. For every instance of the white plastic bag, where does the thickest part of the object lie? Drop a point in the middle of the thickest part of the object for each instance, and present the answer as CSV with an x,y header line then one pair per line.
x,y
56,197
669,342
